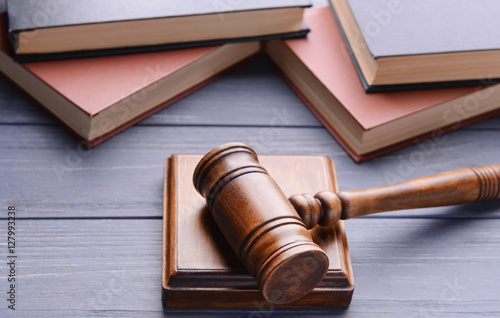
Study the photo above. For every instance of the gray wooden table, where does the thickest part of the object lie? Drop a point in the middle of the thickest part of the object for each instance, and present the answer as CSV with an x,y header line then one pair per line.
x,y
89,222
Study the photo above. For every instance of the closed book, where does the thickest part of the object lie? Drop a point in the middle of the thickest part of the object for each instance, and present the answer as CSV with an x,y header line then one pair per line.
x,y
41,30
368,125
95,98
421,44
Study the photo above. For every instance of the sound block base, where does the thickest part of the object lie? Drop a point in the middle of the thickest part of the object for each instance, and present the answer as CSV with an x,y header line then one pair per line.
x,y
199,267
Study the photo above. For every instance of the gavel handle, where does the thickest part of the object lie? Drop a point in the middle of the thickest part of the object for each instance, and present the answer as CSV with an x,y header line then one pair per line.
x,y
448,188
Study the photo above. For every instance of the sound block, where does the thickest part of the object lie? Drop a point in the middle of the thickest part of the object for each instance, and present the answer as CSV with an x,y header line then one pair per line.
x,y
199,267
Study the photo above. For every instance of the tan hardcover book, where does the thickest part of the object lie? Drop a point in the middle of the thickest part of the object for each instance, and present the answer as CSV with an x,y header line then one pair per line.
x,y
95,98
421,44
74,28
368,125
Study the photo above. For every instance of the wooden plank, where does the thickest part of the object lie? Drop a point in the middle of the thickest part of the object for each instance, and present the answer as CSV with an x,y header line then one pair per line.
x,y
89,265
416,268
492,124
232,101
17,109
49,174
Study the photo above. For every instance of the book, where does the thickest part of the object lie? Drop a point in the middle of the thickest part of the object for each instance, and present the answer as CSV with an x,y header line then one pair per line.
x,y
421,44
319,69
95,98
73,28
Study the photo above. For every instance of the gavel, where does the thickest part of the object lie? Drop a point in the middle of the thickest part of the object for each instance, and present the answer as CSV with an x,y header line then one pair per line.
x,y
269,232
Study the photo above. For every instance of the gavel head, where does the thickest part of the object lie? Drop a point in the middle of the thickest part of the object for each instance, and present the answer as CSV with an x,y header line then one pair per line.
x,y
259,223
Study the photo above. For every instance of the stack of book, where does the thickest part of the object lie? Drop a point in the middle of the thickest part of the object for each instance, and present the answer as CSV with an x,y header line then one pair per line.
x,y
98,67
384,74
378,74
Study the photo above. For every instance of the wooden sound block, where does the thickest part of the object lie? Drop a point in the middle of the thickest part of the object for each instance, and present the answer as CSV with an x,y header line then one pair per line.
x,y
199,267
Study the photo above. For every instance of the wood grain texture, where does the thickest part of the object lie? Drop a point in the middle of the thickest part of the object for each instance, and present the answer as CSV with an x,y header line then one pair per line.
x,y
129,166
456,187
415,268
439,262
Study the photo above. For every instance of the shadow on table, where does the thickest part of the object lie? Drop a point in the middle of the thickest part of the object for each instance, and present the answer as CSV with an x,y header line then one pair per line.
x,y
254,312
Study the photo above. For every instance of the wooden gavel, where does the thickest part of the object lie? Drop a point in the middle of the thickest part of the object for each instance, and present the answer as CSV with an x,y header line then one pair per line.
x,y
269,233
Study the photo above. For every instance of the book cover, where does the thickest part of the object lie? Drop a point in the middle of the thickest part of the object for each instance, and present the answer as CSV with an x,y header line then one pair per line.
x,y
70,29
368,125
95,98
400,45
